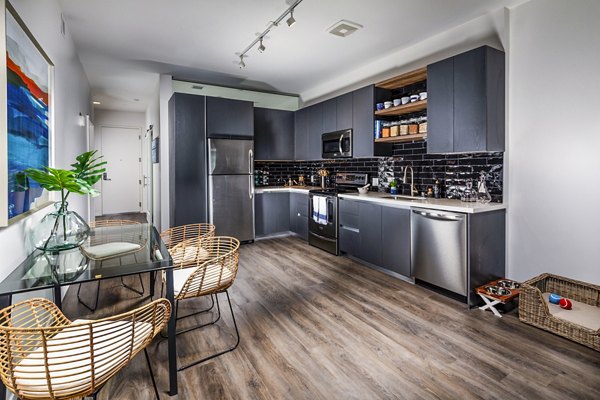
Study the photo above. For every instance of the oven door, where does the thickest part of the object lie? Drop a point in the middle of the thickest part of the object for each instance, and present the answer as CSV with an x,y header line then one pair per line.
x,y
337,144
324,236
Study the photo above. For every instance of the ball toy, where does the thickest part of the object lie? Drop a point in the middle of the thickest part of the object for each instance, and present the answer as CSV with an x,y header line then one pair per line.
x,y
566,304
554,298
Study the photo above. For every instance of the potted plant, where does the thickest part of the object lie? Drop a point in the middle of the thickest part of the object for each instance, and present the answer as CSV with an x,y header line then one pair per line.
x,y
63,229
393,186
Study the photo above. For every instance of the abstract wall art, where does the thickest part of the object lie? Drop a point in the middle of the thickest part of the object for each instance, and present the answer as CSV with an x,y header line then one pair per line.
x,y
25,118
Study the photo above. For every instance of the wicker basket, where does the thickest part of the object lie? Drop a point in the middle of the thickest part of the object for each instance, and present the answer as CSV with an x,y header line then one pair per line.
x,y
533,309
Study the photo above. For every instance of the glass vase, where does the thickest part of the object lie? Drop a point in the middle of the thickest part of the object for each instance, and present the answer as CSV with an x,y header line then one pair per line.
x,y
60,230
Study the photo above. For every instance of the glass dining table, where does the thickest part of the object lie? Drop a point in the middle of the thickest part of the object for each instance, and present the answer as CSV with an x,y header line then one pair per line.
x,y
146,253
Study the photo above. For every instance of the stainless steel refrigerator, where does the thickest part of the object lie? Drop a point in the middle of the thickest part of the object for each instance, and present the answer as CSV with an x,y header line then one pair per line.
x,y
231,187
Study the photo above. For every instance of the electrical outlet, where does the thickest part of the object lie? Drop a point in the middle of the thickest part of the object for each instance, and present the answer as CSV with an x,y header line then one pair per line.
x,y
375,182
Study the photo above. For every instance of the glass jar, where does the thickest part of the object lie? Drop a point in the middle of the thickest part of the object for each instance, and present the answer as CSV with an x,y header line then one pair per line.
x,y
60,230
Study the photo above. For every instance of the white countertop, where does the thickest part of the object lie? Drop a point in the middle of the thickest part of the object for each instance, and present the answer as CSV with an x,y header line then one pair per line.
x,y
436,204
290,189
377,197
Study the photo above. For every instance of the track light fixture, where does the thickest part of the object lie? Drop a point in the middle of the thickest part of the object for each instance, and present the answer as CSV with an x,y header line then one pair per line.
x,y
272,24
291,20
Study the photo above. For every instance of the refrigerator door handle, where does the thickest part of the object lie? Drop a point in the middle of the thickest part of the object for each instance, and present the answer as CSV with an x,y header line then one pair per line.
x,y
250,161
250,187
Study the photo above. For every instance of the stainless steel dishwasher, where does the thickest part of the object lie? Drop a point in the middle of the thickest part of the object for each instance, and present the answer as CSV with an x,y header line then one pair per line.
x,y
439,248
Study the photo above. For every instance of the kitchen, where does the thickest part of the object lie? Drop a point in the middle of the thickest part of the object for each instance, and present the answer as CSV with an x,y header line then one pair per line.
x,y
342,294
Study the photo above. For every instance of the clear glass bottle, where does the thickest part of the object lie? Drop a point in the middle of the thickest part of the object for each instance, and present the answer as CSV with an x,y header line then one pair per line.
x,y
483,194
60,230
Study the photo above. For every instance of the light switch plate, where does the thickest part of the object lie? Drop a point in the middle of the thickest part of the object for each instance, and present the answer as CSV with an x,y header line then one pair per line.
x,y
375,182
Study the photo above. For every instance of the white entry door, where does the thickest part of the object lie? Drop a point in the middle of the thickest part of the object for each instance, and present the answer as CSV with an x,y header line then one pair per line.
x,y
121,185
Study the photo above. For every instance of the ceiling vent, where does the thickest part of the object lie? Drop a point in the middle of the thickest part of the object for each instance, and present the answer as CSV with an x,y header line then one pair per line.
x,y
344,28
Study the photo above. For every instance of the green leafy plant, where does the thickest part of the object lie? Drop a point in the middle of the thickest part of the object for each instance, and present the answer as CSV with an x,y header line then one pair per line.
x,y
393,183
86,172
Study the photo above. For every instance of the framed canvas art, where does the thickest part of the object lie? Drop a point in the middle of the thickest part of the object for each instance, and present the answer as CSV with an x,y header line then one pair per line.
x,y
25,117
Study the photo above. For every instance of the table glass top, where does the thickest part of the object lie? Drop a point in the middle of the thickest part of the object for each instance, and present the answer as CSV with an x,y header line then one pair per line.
x,y
145,252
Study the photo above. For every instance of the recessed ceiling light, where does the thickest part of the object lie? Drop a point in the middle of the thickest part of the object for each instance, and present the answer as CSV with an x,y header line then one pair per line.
x,y
136,99
97,103
197,87
344,28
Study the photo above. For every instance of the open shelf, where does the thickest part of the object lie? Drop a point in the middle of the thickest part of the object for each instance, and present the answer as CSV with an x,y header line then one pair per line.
x,y
409,78
400,139
403,109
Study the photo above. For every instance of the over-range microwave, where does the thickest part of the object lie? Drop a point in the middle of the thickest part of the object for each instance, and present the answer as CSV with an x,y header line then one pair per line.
x,y
337,144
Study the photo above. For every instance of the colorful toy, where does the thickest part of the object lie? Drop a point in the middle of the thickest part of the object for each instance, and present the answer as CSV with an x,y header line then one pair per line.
x,y
554,298
566,304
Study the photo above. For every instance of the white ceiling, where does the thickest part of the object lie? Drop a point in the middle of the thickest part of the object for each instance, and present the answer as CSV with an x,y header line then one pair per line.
x,y
124,44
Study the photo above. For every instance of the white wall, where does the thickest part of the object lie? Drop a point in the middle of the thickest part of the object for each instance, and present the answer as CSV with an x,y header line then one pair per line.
x,y
554,140
121,119
153,118
165,93
71,97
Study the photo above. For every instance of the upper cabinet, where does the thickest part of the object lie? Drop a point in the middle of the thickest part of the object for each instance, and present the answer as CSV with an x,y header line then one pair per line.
x,y
315,130
301,134
273,134
227,117
363,125
466,102
344,110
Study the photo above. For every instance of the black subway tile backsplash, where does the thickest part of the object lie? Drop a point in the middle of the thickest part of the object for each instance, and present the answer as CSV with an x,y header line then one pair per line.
x,y
453,169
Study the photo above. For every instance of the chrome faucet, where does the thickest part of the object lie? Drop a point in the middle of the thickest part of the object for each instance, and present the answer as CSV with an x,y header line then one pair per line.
x,y
413,190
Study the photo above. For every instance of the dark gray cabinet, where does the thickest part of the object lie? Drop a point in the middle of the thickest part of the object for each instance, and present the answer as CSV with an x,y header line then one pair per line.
x,y
369,226
395,237
301,134
379,235
228,117
330,115
299,214
187,160
315,130
466,102
273,134
363,125
271,213
344,110
348,227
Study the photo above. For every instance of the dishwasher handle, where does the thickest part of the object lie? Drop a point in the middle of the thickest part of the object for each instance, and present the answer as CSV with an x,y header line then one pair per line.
x,y
439,215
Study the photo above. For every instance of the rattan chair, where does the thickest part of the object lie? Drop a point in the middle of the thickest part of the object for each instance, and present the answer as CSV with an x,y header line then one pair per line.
x,y
183,243
44,355
212,272
102,224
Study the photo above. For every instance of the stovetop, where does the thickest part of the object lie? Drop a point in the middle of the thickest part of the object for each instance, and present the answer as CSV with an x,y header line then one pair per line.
x,y
345,183
333,190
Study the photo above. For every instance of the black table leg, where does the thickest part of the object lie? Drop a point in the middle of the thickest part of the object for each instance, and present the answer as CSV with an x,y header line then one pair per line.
x,y
152,283
171,331
58,296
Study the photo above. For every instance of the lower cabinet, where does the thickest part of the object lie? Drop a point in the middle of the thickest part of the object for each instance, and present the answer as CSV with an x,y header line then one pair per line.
x,y
271,213
299,214
379,235
395,233
279,212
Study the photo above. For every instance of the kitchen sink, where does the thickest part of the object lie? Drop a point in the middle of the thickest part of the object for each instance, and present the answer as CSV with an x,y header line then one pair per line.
x,y
404,197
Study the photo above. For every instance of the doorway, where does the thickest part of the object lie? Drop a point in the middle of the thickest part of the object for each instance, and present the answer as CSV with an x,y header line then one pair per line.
x,y
122,183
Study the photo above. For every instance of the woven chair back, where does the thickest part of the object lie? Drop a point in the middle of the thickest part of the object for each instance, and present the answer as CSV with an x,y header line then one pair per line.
x,y
45,355
216,267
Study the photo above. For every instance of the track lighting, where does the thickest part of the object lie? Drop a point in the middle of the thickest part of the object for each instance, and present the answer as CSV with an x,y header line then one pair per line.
x,y
291,21
272,24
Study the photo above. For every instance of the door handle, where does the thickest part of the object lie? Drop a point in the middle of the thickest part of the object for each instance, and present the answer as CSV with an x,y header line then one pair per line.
x,y
250,188
250,161
105,177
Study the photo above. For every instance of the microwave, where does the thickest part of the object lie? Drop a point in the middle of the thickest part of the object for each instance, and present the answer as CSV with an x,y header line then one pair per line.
x,y
337,144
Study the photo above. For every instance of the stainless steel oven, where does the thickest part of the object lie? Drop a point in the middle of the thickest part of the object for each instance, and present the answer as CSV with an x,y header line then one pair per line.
x,y
337,144
323,233
323,225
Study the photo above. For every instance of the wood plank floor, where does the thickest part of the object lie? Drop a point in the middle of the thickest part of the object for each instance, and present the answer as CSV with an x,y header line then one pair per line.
x,y
316,326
